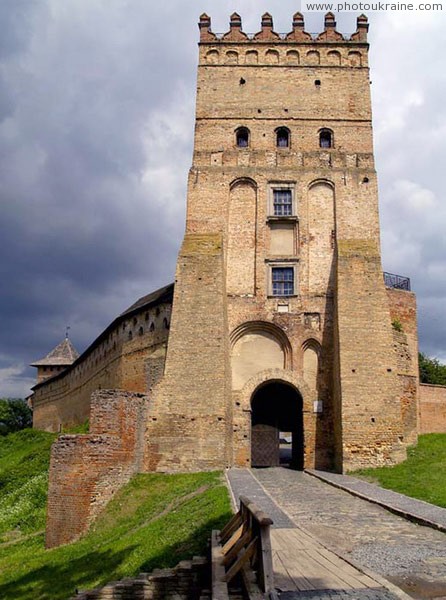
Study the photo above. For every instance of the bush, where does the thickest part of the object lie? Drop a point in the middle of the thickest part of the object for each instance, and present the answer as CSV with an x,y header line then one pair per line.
x,y
15,415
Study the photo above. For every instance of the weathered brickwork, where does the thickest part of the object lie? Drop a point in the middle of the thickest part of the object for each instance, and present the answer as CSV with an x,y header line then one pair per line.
x,y
189,580
280,319
128,355
86,470
432,409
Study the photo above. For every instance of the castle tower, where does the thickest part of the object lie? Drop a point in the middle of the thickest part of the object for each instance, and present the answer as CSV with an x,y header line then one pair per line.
x,y
56,361
281,318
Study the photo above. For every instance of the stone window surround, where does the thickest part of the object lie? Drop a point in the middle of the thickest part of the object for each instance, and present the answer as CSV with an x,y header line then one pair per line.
x,y
282,263
281,185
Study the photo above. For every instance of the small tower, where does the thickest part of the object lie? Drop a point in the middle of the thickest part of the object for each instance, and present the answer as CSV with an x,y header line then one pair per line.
x,y
56,361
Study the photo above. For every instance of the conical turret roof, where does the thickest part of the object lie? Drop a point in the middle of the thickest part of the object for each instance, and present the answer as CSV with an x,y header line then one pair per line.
x,y
63,354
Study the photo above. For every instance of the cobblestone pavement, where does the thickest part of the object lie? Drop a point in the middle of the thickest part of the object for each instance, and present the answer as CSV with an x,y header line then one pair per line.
x,y
243,483
422,512
378,594
410,555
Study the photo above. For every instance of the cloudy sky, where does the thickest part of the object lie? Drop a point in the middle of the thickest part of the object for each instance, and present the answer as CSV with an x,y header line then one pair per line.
x,y
96,124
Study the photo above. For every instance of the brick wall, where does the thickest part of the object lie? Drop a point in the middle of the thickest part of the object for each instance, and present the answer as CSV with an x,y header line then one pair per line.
x,y
188,422
130,356
86,470
432,408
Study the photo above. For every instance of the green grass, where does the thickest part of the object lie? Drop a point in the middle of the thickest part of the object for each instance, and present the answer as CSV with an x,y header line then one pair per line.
x,y
421,476
154,521
24,461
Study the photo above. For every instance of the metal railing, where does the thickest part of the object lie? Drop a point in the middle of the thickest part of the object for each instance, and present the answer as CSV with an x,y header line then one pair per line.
x,y
396,281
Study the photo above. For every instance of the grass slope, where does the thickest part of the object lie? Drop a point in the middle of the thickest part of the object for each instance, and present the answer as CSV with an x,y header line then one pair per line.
x,y
421,476
154,521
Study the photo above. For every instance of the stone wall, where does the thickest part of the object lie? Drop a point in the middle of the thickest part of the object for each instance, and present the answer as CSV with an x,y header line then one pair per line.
x,y
189,425
189,580
128,355
86,470
432,408
369,404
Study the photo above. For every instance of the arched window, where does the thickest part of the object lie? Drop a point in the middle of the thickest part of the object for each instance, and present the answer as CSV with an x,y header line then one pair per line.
x,y
283,137
325,138
242,137
165,323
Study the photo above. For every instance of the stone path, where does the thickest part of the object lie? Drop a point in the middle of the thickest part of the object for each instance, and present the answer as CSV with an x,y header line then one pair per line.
x,y
416,510
410,555
303,568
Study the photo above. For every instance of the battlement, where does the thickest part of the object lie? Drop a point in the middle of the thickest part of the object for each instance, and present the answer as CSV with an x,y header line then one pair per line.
x,y
268,35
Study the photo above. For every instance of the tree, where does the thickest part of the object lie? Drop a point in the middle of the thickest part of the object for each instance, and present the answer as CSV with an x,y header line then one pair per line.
x,y
15,414
431,370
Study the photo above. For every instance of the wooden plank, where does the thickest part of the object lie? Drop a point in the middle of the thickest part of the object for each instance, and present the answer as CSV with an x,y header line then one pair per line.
x,y
232,525
219,586
232,540
242,560
265,571
236,549
296,578
282,579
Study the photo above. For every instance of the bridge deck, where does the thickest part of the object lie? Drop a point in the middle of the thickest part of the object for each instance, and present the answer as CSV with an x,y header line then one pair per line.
x,y
303,567
300,564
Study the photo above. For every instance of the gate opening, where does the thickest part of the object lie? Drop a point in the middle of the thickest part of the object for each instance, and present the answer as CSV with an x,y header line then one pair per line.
x,y
277,436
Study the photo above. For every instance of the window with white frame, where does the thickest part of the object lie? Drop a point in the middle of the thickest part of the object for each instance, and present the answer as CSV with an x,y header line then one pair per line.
x,y
282,280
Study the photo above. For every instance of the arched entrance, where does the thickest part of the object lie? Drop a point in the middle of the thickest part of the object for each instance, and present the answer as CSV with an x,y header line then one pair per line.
x,y
277,408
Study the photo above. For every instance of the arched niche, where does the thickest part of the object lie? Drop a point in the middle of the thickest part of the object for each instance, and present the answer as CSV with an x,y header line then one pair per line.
x,y
257,346
313,57
272,57
252,57
354,59
292,57
311,354
321,226
212,57
231,57
334,58
241,237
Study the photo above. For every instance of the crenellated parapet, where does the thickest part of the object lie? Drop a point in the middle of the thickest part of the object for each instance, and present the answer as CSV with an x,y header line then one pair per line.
x,y
297,35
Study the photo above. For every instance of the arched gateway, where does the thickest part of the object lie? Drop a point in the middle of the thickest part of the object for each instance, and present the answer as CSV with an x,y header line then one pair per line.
x,y
276,407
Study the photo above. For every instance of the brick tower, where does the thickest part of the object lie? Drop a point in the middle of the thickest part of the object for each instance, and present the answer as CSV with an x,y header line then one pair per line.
x,y
281,320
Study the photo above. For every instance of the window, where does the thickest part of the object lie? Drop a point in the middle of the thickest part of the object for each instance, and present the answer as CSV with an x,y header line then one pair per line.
x,y
282,203
325,139
282,281
242,137
282,137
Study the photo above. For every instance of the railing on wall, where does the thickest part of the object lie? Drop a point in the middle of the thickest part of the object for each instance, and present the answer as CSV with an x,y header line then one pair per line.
x,y
396,281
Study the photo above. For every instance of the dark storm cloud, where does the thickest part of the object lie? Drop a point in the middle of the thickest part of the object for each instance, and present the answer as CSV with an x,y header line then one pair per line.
x,y
96,126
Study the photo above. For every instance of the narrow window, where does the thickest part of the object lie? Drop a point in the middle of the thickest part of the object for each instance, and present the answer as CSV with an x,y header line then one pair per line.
x,y
282,203
283,281
325,139
242,137
283,137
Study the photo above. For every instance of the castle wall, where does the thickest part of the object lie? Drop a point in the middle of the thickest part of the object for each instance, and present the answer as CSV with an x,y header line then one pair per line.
x,y
432,408
189,423
86,470
129,356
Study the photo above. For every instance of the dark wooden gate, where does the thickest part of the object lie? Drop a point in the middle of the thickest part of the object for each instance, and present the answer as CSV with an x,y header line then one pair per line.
x,y
265,451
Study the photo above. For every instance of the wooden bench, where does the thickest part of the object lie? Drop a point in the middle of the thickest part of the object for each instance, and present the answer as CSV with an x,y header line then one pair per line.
x,y
243,546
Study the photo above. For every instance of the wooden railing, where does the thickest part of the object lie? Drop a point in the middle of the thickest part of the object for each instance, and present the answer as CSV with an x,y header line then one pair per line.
x,y
243,546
